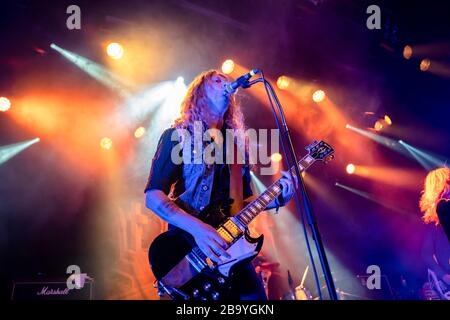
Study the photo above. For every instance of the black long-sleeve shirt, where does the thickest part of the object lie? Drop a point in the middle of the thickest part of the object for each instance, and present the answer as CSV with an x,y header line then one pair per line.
x,y
443,211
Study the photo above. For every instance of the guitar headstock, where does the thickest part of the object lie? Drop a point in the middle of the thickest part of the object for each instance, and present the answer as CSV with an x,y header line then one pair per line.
x,y
321,151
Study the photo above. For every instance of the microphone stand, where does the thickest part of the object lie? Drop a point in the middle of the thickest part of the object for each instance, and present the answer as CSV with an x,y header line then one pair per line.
x,y
312,220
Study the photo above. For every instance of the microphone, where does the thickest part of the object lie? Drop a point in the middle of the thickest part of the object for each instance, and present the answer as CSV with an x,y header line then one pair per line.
x,y
240,82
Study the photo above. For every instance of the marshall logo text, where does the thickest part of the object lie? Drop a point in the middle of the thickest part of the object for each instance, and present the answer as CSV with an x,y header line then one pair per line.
x,y
45,291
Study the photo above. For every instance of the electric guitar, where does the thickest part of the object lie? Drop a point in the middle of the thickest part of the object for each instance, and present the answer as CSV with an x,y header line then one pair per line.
x,y
435,289
184,272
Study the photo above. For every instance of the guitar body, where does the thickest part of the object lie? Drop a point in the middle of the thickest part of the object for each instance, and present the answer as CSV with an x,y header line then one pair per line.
x,y
213,282
435,289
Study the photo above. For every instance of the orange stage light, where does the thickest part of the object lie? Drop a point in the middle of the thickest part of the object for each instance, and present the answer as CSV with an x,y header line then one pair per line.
x,y
106,143
378,126
139,132
397,177
388,120
425,64
115,50
228,66
351,168
276,157
407,52
283,82
318,96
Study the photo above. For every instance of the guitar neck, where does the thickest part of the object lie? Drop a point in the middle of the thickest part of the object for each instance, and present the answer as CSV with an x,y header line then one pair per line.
x,y
246,215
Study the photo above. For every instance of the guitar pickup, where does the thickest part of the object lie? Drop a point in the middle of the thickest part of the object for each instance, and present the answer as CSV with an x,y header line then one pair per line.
x,y
232,228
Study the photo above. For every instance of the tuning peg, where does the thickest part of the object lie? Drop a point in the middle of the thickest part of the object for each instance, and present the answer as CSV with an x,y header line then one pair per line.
x,y
312,145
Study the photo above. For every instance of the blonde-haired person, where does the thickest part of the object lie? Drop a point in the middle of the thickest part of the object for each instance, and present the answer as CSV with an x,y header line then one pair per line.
x,y
179,193
435,200
435,205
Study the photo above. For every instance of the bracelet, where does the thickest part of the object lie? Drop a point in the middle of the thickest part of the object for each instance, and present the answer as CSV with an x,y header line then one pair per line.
x,y
277,205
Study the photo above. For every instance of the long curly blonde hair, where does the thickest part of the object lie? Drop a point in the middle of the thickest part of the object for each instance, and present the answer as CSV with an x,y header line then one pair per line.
x,y
436,187
194,105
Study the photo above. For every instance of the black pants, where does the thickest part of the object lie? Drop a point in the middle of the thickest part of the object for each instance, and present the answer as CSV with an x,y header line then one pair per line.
x,y
246,285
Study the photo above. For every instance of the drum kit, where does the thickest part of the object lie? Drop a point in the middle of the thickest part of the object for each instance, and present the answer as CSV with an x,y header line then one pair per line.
x,y
265,270
268,269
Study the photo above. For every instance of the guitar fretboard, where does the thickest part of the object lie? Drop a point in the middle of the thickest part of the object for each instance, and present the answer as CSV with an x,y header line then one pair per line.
x,y
246,215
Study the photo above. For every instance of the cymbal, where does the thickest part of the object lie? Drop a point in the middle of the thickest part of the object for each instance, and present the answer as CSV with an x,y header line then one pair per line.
x,y
272,273
268,265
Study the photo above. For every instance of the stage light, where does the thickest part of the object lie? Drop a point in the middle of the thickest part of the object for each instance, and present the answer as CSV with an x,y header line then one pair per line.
x,y
375,122
318,96
39,51
276,157
283,82
372,197
95,70
5,104
228,66
179,84
407,52
347,126
388,120
425,64
114,50
350,168
106,143
427,159
378,126
139,132
9,151
179,81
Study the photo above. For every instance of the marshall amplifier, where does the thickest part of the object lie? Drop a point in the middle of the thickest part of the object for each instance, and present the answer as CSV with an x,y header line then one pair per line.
x,y
50,290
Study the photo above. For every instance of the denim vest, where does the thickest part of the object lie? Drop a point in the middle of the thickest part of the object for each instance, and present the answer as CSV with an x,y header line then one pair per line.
x,y
198,183
198,179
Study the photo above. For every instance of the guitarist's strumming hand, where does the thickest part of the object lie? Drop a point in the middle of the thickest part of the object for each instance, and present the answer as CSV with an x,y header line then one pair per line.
x,y
206,237
209,241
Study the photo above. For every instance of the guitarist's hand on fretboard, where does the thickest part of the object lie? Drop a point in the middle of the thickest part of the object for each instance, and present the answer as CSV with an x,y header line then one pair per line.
x,y
287,185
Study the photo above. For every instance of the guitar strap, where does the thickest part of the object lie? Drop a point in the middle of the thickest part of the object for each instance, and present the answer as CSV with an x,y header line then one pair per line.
x,y
236,181
238,156
236,188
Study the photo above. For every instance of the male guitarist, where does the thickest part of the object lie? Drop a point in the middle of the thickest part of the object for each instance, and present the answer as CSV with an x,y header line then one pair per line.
x,y
179,193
